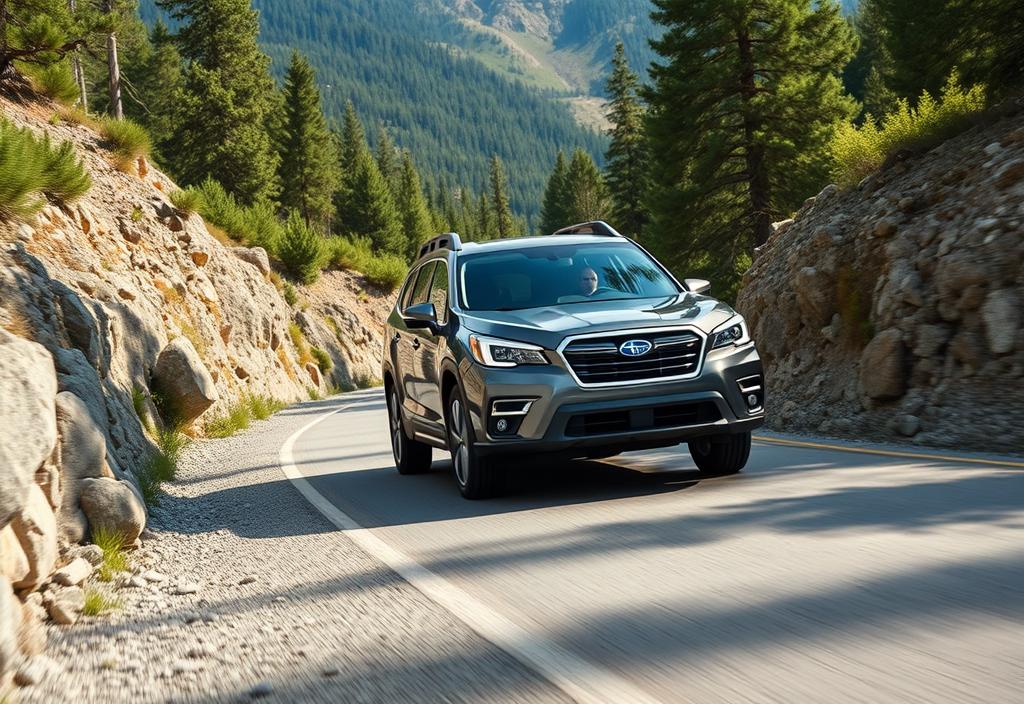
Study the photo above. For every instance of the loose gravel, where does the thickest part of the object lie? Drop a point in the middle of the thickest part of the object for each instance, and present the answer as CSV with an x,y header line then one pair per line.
x,y
242,592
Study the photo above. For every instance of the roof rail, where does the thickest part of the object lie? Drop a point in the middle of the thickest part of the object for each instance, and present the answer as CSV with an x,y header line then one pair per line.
x,y
594,227
448,240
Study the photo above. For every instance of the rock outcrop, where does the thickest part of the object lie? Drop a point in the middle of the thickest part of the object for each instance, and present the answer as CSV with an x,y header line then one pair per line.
x,y
119,317
894,309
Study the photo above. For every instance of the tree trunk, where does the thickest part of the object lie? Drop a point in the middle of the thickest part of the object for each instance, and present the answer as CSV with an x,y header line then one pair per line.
x,y
76,68
113,69
757,169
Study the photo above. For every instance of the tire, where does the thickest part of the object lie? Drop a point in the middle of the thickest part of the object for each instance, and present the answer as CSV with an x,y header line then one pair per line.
x,y
718,457
411,456
476,476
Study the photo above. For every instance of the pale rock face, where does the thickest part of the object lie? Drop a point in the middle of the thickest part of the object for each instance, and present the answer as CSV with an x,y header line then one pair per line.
x,y
113,506
27,389
83,452
257,256
13,562
10,624
36,528
184,380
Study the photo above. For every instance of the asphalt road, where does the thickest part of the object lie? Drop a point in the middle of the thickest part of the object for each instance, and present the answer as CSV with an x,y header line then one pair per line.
x,y
816,575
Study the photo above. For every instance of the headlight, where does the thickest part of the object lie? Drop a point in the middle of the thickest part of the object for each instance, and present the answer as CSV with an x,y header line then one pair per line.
x,y
732,332
492,352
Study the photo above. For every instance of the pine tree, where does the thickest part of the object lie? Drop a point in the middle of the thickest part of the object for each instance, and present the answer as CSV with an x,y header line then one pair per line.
x,y
389,166
369,209
745,99
226,102
35,32
484,221
555,213
309,165
353,139
628,168
158,84
588,197
503,222
417,225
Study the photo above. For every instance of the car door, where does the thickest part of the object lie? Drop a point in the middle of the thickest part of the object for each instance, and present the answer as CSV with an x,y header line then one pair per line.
x,y
432,346
410,340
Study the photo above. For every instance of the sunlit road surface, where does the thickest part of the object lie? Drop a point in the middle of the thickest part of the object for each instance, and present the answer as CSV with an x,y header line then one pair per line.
x,y
816,575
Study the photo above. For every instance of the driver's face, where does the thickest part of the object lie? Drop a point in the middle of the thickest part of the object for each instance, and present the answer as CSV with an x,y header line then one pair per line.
x,y
588,282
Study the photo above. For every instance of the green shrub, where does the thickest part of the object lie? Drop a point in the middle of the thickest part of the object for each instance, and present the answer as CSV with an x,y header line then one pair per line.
x,y
55,81
302,250
386,272
115,559
262,407
97,603
350,253
163,465
187,201
256,226
64,177
301,346
128,140
323,360
857,151
291,297
31,166
226,426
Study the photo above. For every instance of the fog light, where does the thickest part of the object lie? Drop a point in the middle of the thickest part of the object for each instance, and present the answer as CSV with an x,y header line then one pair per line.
x,y
502,425
752,400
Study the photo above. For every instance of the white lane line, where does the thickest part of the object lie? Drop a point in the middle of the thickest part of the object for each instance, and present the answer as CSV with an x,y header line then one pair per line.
x,y
580,679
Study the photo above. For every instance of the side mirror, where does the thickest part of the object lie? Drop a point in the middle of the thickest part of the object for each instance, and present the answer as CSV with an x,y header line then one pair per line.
x,y
421,316
697,285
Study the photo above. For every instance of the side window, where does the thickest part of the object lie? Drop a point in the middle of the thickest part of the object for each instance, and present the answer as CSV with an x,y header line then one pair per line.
x,y
403,300
421,289
439,292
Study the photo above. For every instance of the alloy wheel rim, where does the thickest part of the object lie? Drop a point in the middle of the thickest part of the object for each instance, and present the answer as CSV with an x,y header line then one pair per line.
x,y
460,453
396,428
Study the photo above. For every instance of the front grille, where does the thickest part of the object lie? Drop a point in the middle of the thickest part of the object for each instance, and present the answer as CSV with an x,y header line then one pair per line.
x,y
669,416
599,361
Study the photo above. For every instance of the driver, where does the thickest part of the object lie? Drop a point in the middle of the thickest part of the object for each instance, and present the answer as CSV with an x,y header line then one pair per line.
x,y
587,282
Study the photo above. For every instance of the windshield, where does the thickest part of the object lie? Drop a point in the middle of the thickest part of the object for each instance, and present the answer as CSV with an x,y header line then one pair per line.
x,y
534,277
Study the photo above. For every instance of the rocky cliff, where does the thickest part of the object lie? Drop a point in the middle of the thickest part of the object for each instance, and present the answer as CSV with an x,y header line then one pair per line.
x,y
108,306
893,310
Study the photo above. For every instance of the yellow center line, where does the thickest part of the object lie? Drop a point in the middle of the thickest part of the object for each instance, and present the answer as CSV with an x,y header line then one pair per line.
x,y
887,453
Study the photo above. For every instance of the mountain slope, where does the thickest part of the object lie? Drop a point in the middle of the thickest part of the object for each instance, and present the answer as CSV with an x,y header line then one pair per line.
x,y
406,72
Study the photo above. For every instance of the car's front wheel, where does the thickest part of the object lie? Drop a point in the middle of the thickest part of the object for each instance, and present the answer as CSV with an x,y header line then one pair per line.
x,y
476,476
721,456
411,456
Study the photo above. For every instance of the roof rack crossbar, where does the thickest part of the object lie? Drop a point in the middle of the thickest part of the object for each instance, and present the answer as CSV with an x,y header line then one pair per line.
x,y
594,227
447,240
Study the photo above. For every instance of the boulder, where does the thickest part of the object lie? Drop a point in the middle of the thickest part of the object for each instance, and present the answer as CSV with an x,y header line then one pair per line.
x,y
115,507
930,340
183,380
83,456
881,366
200,258
257,256
36,528
65,605
28,429
13,563
1001,313
32,636
73,573
10,623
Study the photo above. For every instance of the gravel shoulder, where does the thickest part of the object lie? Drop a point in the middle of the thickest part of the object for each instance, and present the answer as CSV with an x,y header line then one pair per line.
x,y
263,599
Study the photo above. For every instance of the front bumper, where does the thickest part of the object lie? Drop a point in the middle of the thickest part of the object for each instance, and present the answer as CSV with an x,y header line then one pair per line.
x,y
568,420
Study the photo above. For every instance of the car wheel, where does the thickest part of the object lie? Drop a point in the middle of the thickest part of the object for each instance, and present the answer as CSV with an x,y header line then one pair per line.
x,y
411,456
721,456
476,476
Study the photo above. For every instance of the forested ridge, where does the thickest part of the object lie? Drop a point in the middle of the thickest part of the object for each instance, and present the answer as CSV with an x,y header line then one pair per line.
x,y
451,112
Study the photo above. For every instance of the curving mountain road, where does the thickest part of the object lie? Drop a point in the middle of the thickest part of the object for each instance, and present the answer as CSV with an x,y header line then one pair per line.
x,y
839,574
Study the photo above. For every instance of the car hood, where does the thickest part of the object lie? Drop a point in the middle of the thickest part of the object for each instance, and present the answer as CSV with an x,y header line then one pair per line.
x,y
548,326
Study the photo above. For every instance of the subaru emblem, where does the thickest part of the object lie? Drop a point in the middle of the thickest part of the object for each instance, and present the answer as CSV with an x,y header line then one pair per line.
x,y
635,348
